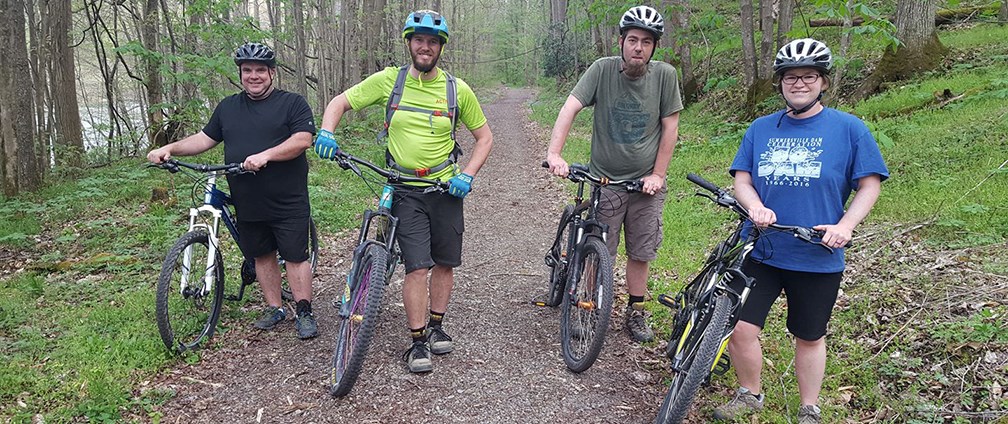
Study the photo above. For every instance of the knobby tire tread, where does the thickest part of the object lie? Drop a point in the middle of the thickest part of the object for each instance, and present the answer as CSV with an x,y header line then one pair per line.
x,y
594,248
166,289
373,265
677,402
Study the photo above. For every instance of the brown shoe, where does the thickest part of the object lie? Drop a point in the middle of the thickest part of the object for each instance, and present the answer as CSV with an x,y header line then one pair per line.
x,y
744,403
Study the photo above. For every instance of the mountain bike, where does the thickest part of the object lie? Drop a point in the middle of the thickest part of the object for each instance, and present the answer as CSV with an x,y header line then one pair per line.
x,y
706,310
374,261
581,270
190,287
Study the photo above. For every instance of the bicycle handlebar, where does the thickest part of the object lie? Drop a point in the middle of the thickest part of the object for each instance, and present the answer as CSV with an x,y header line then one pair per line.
x,y
722,198
173,166
579,172
348,161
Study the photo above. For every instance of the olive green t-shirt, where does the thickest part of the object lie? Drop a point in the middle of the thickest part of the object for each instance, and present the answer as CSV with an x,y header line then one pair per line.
x,y
626,128
418,140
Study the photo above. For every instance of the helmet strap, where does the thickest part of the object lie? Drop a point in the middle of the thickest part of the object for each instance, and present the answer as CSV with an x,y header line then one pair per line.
x,y
798,111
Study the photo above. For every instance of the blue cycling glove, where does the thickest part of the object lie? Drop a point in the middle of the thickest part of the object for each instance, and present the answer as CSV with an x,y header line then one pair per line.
x,y
325,144
460,185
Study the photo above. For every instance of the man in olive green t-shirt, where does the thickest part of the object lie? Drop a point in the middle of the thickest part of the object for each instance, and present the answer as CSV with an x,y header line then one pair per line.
x,y
421,142
634,131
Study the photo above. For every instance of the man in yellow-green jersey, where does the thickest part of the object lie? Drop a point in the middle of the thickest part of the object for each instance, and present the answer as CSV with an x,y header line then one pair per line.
x,y
423,105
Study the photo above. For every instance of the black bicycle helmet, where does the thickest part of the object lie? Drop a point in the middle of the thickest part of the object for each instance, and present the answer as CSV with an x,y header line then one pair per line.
x,y
645,18
255,52
803,53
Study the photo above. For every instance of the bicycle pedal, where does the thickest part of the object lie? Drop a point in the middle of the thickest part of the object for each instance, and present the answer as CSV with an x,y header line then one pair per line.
x,y
722,366
668,301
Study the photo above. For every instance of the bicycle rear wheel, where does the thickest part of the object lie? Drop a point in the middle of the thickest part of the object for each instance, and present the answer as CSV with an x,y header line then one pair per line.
x,y
587,305
187,316
558,272
701,348
358,316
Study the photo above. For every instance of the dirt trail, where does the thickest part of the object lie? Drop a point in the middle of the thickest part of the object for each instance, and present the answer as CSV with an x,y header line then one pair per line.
x,y
506,367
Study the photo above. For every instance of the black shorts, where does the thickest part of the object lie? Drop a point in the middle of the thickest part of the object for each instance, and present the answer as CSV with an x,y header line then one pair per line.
x,y
430,229
290,236
810,297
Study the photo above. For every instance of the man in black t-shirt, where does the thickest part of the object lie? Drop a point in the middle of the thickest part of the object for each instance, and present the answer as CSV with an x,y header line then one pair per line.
x,y
268,131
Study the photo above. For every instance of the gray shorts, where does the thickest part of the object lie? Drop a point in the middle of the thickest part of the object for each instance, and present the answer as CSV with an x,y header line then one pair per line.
x,y
430,229
640,217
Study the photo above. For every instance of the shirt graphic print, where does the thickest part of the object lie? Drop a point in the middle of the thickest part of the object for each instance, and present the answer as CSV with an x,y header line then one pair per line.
x,y
791,161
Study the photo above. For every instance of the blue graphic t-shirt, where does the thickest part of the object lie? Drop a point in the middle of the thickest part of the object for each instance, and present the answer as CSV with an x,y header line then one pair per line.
x,y
805,171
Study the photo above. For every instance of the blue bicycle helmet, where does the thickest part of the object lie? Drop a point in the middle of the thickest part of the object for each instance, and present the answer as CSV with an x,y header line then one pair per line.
x,y
255,52
426,22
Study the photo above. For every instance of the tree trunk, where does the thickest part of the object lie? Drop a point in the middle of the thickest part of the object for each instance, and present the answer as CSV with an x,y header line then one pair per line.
x,y
20,171
748,43
785,18
845,40
152,67
680,22
921,50
766,50
39,63
68,136
300,48
1003,13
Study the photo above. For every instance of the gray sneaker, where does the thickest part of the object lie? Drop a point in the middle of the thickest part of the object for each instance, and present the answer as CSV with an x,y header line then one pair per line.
x,y
439,342
418,358
637,325
809,414
306,326
744,403
270,318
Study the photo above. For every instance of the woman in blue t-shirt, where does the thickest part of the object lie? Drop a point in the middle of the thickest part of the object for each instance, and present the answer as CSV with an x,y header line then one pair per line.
x,y
798,167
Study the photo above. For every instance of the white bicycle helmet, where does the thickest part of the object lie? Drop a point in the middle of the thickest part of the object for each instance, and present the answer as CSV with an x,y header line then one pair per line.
x,y
803,53
645,18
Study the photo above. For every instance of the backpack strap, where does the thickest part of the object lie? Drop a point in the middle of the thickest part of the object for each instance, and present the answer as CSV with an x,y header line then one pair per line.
x,y
393,101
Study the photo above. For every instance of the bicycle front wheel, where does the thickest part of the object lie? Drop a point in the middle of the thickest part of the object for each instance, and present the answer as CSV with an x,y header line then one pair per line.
x,y
186,308
700,354
587,305
358,316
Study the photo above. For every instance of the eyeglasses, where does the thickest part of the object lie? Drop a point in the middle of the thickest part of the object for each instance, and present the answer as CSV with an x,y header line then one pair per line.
x,y
807,79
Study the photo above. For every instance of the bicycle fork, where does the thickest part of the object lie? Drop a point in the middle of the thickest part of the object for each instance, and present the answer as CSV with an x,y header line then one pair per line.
x,y
209,275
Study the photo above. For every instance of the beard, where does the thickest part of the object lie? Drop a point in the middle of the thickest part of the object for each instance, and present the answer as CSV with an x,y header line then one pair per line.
x,y
634,70
424,67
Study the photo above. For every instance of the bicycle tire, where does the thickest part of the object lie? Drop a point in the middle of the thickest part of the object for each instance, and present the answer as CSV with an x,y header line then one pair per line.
x,y
588,308
558,272
685,384
186,320
355,333
285,291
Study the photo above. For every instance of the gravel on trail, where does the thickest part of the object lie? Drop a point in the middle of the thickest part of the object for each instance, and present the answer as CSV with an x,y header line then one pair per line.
x,y
506,366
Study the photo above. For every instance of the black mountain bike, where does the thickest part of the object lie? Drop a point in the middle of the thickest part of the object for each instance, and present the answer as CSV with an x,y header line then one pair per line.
x,y
706,310
581,276
374,261
190,287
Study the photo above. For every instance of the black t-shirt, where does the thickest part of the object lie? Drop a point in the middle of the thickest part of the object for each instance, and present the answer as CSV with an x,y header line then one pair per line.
x,y
246,126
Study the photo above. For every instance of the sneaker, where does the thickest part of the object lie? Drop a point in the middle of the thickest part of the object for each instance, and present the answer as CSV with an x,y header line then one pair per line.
x,y
439,342
637,325
809,414
744,403
271,316
418,358
306,326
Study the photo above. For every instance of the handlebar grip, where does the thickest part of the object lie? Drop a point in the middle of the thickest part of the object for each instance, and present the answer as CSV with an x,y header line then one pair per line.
x,y
698,180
